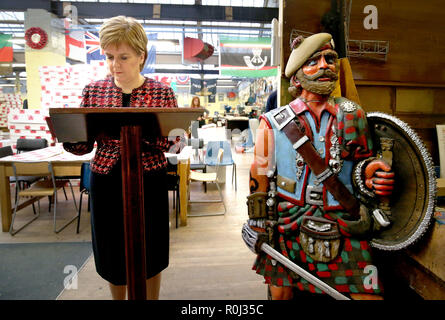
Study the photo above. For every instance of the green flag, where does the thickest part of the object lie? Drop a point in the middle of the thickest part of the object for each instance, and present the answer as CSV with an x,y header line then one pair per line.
x,y
246,57
5,47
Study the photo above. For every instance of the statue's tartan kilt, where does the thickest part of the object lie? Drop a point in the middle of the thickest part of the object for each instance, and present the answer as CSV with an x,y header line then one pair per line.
x,y
345,273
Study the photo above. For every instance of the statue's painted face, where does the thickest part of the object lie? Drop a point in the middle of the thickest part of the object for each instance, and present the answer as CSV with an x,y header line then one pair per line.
x,y
319,72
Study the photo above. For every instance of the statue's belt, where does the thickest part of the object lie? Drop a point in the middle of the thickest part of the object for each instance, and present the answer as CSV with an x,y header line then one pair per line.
x,y
287,121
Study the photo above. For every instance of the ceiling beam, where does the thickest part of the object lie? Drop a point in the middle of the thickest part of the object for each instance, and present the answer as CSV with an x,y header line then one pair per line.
x,y
168,12
176,58
13,5
187,71
161,58
145,11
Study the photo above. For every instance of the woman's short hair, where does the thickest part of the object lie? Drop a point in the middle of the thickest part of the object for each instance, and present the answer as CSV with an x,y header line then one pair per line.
x,y
121,29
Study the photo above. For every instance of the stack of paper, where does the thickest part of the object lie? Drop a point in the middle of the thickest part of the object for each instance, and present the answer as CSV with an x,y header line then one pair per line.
x,y
29,124
8,101
62,86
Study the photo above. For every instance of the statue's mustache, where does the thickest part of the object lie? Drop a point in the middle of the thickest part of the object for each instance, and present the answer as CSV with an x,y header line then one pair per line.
x,y
323,73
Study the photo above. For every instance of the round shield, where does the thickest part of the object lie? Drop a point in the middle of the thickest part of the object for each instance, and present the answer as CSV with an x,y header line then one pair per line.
x,y
412,203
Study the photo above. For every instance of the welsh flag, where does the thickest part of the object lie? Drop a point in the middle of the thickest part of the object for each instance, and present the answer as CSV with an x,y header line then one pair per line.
x,y
245,57
5,47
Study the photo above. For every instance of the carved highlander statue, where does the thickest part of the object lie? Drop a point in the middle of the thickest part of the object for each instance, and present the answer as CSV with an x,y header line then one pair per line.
x,y
322,185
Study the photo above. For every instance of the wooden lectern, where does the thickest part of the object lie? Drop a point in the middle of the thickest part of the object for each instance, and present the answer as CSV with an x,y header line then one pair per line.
x,y
84,124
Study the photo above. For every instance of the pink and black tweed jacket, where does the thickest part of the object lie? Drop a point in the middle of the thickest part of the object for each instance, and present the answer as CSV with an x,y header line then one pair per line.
x,y
104,93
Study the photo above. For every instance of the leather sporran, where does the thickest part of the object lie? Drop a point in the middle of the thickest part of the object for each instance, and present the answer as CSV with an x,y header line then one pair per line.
x,y
320,238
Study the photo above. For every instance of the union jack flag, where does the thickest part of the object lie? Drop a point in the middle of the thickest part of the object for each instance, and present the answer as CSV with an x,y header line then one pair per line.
x,y
93,49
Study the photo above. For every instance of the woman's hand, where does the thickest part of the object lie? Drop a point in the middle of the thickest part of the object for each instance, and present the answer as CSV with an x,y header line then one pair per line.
x,y
78,148
379,177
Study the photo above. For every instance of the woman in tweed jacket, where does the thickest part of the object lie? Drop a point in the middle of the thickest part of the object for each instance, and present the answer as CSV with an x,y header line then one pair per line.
x,y
124,42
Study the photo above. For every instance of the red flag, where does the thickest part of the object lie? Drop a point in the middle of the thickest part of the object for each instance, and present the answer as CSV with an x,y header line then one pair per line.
x,y
5,47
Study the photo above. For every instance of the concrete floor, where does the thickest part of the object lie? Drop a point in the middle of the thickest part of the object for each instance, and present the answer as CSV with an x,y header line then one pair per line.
x,y
208,258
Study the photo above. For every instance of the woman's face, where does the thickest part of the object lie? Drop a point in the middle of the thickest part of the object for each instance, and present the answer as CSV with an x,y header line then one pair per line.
x,y
123,62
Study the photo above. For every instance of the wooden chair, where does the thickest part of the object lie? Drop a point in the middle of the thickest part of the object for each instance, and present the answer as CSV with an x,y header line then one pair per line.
x,y
26,145
24,181
209,177
197,163
39,189
227,159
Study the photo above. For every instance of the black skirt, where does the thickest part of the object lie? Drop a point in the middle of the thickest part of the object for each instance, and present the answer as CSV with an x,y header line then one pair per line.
x,y
107,224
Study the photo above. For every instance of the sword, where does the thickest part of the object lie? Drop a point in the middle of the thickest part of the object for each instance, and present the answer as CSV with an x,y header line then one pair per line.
x,y
257,242
302,273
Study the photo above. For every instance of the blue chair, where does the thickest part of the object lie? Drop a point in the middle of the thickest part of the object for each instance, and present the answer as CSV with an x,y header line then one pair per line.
x,y
172,179
84,188
227,160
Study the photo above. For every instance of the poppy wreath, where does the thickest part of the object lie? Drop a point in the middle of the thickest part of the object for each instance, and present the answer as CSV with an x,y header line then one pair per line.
x,y
231,95
36,38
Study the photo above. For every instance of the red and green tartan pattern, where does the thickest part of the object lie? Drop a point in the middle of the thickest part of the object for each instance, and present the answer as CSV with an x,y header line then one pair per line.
x,y
345,273
353,133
